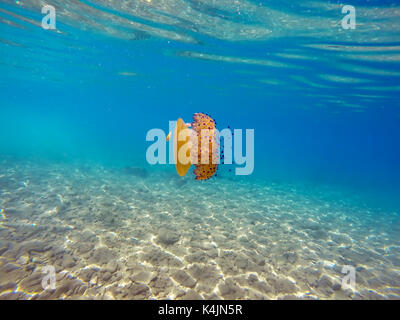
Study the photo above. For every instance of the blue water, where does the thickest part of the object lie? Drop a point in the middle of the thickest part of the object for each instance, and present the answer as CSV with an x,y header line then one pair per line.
x,y
324,102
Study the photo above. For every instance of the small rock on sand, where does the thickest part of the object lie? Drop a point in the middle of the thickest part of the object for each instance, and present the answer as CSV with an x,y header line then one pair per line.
x,y
167,237
102,256
68,261
190,295
184,279
229,290
139,291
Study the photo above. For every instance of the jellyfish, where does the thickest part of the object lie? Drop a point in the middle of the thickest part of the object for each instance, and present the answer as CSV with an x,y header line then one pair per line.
x,y
198,146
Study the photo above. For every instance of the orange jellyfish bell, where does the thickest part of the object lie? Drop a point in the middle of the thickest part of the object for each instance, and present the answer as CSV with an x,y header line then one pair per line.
x,y
196,146
204,171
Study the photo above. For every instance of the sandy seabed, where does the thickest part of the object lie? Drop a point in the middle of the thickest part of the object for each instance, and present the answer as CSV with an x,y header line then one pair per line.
x,y
137,234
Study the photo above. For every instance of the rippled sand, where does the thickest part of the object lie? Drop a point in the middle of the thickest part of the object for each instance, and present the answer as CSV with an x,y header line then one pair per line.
x,y
137,234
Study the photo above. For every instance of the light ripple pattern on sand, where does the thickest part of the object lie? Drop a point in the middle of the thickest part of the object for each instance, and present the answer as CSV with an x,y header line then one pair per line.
x,y
113,235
